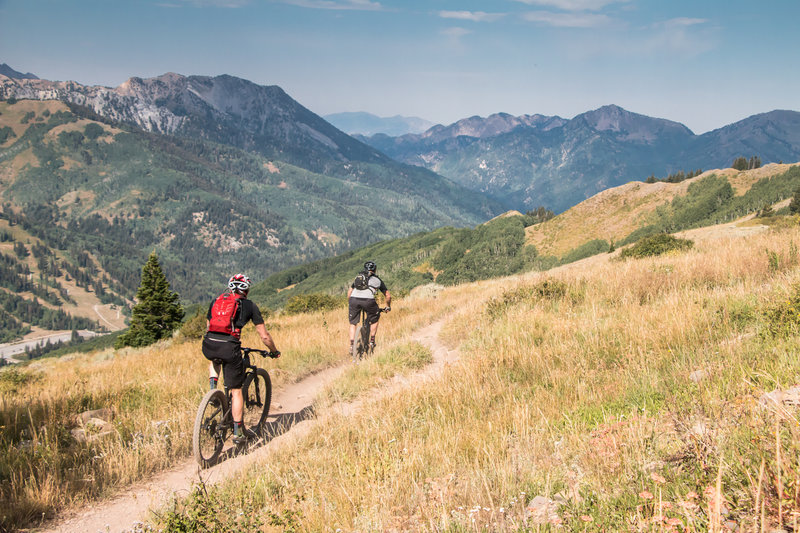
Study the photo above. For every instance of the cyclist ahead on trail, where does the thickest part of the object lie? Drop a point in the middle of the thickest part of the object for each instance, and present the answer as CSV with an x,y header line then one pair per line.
x,y
227,315
362,296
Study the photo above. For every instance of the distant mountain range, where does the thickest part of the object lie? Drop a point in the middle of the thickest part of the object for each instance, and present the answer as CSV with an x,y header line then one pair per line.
x,y
5,70
216,174
363,123
535,160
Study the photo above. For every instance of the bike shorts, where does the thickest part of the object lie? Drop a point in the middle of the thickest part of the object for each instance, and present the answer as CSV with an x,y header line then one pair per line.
x,y
367,304
227,349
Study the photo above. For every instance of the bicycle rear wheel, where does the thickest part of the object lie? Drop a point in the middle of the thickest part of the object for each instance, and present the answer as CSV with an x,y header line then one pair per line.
x,y
210,430
257,393
361,342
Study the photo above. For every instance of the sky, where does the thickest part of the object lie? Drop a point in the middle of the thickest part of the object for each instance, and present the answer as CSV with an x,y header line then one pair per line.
x,y
703,63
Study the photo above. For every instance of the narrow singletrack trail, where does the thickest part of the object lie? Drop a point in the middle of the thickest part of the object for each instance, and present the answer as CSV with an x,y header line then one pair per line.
x,y
291,417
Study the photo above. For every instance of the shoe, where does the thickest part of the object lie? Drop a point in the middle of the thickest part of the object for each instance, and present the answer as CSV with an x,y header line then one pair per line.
x,y
246,435
372,346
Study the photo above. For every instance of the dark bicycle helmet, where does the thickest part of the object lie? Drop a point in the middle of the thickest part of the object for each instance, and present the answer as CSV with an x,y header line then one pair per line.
x,y
370,266
239,283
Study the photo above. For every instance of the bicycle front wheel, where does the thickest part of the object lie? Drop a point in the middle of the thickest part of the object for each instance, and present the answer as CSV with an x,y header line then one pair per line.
x,y
257,394
210,430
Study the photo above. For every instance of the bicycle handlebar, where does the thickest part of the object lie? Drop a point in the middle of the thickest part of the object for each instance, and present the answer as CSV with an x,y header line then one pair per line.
x,y
263,353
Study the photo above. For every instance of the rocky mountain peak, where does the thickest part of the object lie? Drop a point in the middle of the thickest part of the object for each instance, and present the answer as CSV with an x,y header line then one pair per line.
x,y
631,126
9,72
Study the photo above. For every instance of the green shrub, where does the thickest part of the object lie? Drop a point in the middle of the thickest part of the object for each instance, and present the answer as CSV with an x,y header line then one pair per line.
x,y
308,303
14,378
783,318
547,290
6,133
588,249
656,245
195,326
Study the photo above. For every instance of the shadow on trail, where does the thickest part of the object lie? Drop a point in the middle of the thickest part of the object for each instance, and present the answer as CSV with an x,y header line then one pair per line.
x,y
282,424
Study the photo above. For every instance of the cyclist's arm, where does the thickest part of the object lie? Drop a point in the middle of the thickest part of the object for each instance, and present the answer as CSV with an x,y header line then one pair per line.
x,y
349,292
266,338
388,297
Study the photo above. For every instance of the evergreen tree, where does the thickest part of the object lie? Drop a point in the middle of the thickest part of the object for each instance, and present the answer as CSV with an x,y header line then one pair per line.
x,y
794,205
740,163
158,311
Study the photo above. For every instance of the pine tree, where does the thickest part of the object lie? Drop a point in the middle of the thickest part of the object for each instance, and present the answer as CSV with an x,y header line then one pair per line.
x,y
794,205
158,311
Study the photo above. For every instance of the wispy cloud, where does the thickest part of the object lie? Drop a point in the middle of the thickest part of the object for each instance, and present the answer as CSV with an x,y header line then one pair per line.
x,y
359,5
455,35
681,22
573,5
206,3
475,16
681,35
567,20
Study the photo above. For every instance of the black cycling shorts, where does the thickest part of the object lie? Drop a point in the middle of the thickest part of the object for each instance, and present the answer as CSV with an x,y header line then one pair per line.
x,y
367,304
227,349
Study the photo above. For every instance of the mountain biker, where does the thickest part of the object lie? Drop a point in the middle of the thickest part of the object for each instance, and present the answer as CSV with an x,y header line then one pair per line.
x,y
227,347
359,299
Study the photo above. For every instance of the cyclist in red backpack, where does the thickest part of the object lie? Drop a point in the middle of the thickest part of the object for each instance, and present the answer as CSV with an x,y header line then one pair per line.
x,y
227,315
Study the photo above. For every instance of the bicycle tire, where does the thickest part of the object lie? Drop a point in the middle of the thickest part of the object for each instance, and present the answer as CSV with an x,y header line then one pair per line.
x,y
257,395
359,347
209,434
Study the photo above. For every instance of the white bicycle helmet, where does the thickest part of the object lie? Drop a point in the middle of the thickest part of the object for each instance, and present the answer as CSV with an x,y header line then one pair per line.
x,y
239,283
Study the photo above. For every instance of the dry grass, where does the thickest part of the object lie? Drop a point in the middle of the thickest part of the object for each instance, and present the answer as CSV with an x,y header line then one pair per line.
x,y
579,385
589,397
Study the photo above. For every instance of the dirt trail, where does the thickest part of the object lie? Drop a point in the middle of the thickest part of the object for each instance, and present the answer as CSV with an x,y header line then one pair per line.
x,y
291,417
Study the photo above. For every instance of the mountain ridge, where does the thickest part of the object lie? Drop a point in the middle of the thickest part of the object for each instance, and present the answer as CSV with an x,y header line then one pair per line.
x,y
534,160
363,123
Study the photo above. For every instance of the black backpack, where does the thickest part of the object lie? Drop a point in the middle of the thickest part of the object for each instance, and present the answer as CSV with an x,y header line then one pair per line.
x,y
361,282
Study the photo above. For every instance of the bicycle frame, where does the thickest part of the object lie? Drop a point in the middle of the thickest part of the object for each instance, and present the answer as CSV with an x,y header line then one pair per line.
x,y
214,419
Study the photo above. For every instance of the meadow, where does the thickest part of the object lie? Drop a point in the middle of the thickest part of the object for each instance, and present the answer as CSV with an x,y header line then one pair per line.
x,y
625,395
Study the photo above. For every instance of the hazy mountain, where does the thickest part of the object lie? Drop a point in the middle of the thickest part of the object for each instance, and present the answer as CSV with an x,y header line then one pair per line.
x,y
536,160
81,183
260,119
5,70
362,123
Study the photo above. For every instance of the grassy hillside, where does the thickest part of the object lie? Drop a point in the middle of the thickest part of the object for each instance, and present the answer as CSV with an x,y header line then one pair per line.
x,y
628,393
614,214
513,243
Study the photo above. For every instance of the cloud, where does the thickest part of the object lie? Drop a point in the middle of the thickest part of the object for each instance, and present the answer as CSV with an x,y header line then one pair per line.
x,y
682,22
567,20
680,35
454,35
573,5
455,32
208,3
475,16
360,5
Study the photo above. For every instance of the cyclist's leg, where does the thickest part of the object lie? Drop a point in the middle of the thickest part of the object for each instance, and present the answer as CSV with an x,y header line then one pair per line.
x,y
213,374
373,316
237,404
353,315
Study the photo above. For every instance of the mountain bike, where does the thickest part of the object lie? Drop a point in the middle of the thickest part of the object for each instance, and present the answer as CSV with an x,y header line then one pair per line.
x,y
214,421
361,347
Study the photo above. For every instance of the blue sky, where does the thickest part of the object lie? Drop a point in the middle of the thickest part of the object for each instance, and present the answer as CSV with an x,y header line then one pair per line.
x,y
704,63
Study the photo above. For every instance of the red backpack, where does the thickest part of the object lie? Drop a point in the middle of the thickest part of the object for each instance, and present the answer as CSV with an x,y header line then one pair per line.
x,y
223,314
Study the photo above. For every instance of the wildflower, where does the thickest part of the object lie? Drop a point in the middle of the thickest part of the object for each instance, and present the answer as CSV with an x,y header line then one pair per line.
x,y
586,518
646,495
657,478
